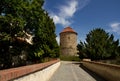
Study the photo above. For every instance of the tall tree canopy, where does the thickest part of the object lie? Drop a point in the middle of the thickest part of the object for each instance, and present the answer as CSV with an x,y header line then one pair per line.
x,y
99,45
19,18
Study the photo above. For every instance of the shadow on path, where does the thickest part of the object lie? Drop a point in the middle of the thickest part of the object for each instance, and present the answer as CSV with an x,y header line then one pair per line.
x,y
94,75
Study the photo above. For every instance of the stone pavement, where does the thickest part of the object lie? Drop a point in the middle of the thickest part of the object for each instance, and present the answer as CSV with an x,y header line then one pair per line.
x,y
70,71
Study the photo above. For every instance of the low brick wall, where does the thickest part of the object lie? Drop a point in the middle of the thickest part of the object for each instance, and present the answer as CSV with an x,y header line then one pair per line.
x,y
15,73
109,72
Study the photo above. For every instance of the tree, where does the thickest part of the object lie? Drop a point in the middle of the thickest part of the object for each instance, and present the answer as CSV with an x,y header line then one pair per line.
x,y
11,27
19,18
43,29
99,45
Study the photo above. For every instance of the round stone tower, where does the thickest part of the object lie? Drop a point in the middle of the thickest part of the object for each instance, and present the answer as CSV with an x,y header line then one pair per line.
x,y
68,42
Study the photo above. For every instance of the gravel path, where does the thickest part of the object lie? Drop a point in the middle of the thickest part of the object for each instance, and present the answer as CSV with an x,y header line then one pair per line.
x,y
70,71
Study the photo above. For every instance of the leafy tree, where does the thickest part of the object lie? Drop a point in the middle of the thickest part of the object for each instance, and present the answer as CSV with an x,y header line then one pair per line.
x,y
81,49
43,29
99,45
18,18
11,26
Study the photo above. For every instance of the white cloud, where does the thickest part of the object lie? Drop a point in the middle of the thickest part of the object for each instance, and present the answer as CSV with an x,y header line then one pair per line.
x,y
115,27
60,20
58,40
83,3
67,11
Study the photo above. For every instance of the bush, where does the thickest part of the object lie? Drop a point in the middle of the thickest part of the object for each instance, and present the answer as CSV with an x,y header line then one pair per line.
x,y
69,58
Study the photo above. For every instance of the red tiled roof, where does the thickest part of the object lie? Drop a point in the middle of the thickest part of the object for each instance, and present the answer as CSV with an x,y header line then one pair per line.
x,y
68,29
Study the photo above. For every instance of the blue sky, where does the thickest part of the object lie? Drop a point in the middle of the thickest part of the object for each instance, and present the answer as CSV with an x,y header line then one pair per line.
x,y
85,15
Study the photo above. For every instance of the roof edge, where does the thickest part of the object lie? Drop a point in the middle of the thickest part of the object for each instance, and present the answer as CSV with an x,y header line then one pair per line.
x,y
68,29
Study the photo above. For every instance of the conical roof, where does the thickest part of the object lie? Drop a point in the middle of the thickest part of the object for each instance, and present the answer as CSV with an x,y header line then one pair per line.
x,y
68,29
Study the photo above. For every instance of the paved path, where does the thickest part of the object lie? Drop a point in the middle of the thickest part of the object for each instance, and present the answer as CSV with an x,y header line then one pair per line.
x,y
70,71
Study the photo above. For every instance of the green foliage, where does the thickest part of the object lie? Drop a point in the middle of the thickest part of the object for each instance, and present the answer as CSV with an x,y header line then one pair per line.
x,y
99,45
44,36
69,58
11,25
18,18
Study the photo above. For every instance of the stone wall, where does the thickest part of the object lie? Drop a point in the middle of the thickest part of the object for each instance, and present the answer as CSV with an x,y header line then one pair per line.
x,y
68,43
109,72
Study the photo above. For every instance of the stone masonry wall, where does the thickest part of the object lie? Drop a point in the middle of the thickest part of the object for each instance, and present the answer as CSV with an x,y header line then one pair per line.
x,y
110,72
68,43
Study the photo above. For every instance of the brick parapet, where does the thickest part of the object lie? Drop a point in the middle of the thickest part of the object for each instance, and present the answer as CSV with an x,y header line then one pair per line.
x,y
9,74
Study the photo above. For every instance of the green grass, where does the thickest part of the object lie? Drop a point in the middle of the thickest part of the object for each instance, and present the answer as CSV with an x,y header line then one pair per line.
x,y
69,58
